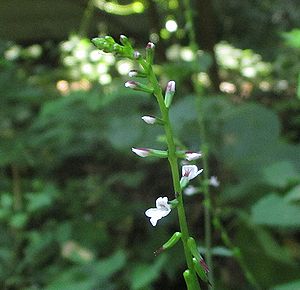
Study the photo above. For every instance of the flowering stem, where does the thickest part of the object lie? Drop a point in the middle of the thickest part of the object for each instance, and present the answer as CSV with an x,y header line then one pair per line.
x,y
204,148
172,157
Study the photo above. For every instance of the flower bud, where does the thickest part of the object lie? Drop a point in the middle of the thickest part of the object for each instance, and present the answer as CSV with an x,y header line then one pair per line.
x,y
138,87
136,55
145,152
189,281
125,41
150,52
169,244
149,119
190,155
135,73
193,248
200,271
142,152
170,91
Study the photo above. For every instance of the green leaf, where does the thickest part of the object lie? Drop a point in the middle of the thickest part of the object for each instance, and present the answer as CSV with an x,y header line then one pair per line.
x,y
144,274
293,195
294,285
19,220
273,210
280,174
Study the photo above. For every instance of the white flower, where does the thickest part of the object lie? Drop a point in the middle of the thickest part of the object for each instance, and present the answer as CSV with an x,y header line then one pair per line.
x,y
190,190
142,152
190,155
213,181
149,119
190,171
162,209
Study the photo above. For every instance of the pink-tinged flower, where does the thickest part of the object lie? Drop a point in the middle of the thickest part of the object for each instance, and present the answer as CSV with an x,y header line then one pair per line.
x,y
162,209
189,155
149,119
190,171
150,45
131,84
213,181
142,152
170,87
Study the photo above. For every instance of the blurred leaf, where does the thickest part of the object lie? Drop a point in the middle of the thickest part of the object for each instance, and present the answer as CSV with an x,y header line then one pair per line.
x,y
280,174
292,38
41,200
272,247
18,220
88,276
293,195
218,251
294,285
273,210
144,274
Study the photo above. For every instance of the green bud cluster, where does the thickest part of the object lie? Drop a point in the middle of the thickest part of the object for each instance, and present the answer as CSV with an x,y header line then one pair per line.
x,y
108,44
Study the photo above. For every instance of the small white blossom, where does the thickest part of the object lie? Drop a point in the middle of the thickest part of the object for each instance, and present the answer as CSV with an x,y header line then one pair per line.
x,y
213,181
162,209
142,152
189,155
188,172
190,190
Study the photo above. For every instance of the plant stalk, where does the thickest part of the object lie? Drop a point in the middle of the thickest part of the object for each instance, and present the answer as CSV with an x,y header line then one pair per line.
x,y
175,174
204,148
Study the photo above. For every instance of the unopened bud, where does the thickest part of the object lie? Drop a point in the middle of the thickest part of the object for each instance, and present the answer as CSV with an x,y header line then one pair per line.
x,y
201,272
170,91
150,45
131,85
150,52
142,152
145,152
190,155
125,41
136,54
189,280
138,87
135,73
149,119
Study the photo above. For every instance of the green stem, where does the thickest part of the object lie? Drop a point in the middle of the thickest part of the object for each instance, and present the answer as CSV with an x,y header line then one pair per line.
x,y
235,251
204,148
175,174
86,19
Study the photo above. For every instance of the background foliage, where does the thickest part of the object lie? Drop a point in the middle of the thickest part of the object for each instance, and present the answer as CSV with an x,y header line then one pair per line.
x,y
72,196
